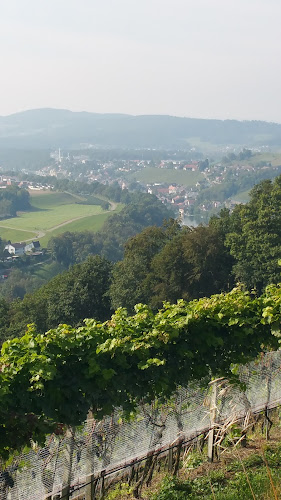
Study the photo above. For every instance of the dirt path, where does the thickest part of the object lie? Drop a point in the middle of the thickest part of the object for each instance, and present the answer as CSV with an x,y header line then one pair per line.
x,y
65,223
113,205
37,234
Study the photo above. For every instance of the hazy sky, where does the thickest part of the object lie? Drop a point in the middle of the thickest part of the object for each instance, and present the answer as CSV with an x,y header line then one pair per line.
x,y
196,58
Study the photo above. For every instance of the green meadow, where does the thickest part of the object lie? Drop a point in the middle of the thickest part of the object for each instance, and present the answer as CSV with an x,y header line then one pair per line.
x,y
91,223
152,174
52,214
242,197
14,235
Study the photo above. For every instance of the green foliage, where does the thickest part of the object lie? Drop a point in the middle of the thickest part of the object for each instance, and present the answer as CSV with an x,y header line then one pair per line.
x,y
132,276
120,491
57,376
170,263
193,460
69,248
18,284
217,484
273,455
253,235
12,199
173,489
4,320
81,292
253,460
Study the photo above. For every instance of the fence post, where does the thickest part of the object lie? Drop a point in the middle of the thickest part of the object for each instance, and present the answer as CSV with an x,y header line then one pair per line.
x,y
267,424
69,448
213,414
90,479
170,459
90,487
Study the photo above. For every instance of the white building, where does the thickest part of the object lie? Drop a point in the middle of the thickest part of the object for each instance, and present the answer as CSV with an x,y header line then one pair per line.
x,y
16,248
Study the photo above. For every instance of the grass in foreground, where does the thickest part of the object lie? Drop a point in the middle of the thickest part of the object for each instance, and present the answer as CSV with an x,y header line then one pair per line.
x,y
247,473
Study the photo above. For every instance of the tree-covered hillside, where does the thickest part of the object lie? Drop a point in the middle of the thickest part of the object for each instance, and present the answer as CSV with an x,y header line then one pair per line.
x,y
163,262
51,128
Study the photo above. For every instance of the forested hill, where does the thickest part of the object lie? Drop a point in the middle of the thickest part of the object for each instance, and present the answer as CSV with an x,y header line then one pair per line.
x,y
51,128
165,263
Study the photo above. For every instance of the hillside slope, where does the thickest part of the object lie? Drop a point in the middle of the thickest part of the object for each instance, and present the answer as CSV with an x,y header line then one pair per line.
x,y
51,128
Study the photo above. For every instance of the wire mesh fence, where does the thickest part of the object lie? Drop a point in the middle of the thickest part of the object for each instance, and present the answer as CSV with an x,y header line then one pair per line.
x,y
68,463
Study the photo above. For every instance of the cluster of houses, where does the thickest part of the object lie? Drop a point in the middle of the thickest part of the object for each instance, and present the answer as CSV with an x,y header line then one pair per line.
x,y
6,181
180,197
18,249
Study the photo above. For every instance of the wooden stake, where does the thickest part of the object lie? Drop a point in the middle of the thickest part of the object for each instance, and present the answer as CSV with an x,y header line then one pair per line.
x,y
213,415
170,460
90,487
68,465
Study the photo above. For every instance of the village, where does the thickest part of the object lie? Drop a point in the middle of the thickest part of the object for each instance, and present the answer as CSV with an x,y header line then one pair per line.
x,y
196,188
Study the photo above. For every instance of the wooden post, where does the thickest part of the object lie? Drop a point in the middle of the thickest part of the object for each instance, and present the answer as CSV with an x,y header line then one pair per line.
x,y
170,460
102,483
267,424
68,464
177,461
132,475
90,480
90,487
213,414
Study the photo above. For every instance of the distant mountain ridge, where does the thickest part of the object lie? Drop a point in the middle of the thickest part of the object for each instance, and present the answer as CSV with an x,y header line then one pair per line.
x,y
53,128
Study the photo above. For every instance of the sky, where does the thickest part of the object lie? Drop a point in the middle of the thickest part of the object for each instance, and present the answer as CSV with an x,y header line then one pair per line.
x,y
195,58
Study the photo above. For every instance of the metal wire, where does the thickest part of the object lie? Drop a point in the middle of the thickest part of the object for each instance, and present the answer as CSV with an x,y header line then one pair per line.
x,y
111,445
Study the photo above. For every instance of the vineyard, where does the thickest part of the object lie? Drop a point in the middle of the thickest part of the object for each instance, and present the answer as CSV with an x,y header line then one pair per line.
x,y
139,363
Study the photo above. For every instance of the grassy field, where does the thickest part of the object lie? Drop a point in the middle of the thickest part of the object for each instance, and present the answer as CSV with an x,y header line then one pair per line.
x,y
242,197
273,158
47,219
91,223
15,235
151,174
52,214
46,199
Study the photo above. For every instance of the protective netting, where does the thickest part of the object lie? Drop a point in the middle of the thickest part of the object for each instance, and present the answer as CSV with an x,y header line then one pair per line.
x,y
113,442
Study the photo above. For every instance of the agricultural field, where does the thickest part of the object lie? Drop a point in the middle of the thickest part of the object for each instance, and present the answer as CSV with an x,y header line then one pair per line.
x,y
258,158
242,197
52,214
15,235
273,158
152,174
